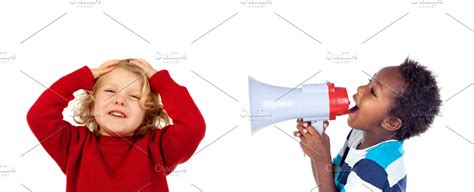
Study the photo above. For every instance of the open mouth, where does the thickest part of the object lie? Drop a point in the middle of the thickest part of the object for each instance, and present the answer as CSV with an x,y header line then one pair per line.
x,y
353,112
118,114
354,109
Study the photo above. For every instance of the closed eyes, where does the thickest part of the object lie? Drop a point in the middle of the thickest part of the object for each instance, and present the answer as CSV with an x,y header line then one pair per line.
x,y
133,96
372,91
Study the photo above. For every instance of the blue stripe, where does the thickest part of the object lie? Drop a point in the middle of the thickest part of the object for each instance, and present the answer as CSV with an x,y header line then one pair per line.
x,y
337,160
371,172
338,185
336,176
386,153
344,172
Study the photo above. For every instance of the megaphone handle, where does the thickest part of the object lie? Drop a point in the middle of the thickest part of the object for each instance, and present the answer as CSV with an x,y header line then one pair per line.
x,y
318,125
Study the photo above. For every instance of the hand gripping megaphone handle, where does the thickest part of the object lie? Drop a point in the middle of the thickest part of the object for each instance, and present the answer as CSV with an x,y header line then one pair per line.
x,y
318,125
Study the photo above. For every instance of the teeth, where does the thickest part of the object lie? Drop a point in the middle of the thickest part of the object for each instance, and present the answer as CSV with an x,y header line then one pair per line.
x,y
117,114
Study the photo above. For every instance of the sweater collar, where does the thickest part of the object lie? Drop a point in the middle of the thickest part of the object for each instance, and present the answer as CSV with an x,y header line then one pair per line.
x,y
111,140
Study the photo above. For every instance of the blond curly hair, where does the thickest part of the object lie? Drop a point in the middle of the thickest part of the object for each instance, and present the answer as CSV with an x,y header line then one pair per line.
x,y
155,115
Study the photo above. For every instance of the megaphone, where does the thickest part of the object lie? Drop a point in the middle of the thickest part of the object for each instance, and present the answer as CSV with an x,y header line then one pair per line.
x,y
270,104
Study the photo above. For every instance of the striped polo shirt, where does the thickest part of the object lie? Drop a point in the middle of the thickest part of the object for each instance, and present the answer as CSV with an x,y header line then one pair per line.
x,y
377,168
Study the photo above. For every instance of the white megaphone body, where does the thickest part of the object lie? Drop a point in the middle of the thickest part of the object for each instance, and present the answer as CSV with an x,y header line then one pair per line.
x,y
270,104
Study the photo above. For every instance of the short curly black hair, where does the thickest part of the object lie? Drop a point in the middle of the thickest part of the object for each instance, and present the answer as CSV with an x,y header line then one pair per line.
x,y
419,101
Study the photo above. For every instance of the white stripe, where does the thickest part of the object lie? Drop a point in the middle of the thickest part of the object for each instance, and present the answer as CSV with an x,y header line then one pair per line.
x,y
355,183
343,148
355,156
355,137
396,171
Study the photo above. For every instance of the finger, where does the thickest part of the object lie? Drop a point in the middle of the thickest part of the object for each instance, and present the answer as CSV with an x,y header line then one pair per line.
x,y
147,66
302,130
108,66
301,123
109,63
141,61
325,125
106,70
312,130
139,64
307,125
135,63
297,134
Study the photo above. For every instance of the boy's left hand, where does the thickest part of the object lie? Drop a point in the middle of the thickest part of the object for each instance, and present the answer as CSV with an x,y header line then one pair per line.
x,y
144,65
316,146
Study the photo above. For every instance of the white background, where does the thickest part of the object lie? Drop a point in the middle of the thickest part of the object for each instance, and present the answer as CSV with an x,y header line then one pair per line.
x,y
278,42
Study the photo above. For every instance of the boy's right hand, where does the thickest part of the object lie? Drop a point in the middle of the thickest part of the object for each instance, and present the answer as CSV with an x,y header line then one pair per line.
x,y
314,144
104,68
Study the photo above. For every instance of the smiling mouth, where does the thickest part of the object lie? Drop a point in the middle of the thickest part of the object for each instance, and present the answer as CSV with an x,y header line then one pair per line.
x,y
117,114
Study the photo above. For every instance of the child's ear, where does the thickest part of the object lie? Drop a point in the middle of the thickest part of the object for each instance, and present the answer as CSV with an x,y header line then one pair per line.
x,y
392,123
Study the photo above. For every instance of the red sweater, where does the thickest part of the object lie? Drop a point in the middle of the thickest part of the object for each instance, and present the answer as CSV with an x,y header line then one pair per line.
x,y
116,164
